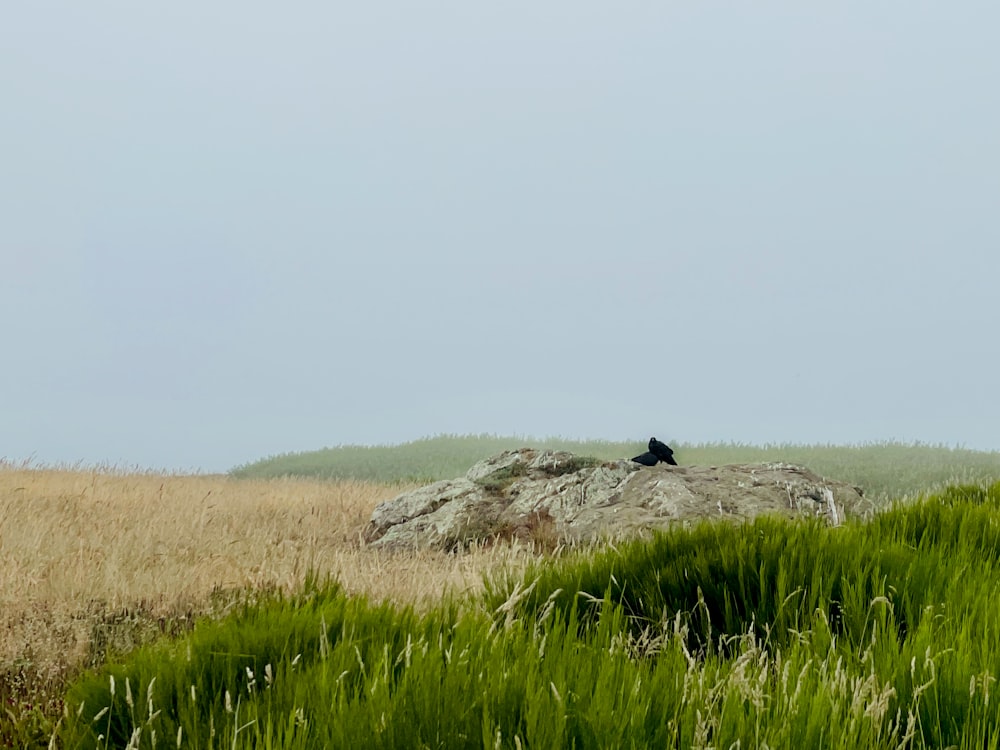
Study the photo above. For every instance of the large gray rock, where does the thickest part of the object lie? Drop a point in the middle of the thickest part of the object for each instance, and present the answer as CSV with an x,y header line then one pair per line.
x,y
547,497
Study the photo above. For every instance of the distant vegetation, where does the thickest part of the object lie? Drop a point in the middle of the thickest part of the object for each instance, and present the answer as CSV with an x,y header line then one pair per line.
x,y
771,634
428,459
883,470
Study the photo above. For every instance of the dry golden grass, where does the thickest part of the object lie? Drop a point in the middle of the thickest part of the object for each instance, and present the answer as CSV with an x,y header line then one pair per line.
x,y
83,552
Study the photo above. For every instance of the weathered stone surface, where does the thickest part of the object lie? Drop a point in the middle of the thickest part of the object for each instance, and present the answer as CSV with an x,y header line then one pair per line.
x,y
521,493
493,464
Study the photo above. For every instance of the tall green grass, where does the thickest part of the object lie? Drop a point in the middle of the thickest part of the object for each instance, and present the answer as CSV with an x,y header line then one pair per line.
x,y
775,632
883,470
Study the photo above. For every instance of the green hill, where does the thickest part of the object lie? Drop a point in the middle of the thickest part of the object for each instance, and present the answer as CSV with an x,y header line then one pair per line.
x,y
881,469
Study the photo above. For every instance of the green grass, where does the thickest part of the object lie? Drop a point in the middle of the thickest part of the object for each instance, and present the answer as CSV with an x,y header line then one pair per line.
x,y
793,635
883,470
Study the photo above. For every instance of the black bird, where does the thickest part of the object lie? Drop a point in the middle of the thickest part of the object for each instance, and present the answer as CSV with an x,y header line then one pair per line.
x,y
662,451
646,459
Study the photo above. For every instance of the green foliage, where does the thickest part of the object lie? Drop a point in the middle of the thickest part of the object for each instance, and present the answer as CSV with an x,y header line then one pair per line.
x,y
883,470
499,480
787,634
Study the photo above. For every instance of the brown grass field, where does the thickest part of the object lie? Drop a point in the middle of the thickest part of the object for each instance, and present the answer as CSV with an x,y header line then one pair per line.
x,y
98,560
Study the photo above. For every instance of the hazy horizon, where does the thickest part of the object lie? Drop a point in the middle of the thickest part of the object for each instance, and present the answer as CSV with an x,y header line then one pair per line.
x,y
238,230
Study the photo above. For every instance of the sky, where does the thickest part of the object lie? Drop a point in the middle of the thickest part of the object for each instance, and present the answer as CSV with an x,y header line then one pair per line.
x,y
235,229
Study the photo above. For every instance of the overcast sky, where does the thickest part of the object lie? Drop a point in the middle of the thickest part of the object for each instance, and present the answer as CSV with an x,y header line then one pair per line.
x,y
233,229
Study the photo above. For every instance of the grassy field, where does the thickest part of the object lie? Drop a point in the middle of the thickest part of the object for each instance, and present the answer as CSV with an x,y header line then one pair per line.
x,y
772,634
98,565
884,470
93,562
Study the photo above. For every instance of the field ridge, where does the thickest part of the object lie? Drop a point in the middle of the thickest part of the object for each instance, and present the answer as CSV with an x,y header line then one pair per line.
x,y
884,470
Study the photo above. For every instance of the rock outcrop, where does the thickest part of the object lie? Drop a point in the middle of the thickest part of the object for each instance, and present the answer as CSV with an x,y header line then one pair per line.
x,y
548,496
